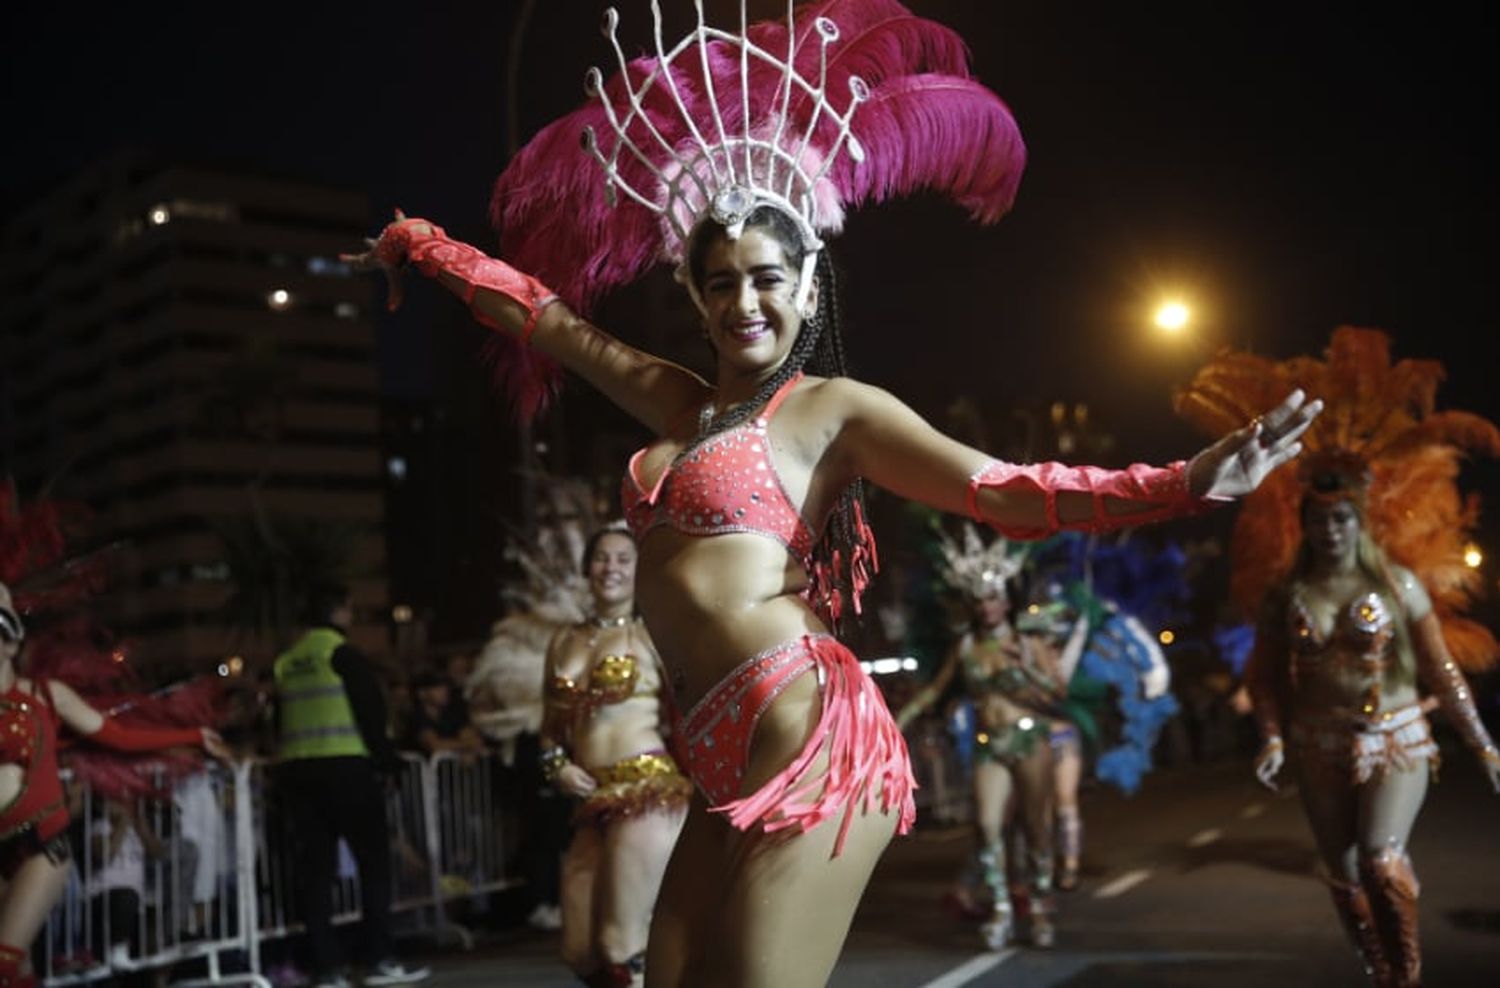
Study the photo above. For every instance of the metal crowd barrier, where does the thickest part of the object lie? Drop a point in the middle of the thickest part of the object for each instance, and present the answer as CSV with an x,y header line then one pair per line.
x,y
221,880
175,889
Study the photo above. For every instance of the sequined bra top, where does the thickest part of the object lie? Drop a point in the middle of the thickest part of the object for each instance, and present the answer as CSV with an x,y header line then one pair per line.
x,y
720,484
613,679
1364,629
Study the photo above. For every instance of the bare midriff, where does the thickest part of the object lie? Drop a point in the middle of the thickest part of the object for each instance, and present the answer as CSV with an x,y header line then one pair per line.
x,y
710,602
619,730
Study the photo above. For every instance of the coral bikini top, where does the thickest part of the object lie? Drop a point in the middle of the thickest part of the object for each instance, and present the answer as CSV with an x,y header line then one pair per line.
x,y
719,484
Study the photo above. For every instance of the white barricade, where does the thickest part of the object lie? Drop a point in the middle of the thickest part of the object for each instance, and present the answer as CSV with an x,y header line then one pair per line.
x,y
156,884
208,875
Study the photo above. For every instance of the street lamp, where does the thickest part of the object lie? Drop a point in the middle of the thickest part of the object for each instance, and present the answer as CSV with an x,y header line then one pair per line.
x,y
1172,317
1473,557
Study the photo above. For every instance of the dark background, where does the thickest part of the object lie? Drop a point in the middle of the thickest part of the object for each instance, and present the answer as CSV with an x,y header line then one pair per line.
x,y
1289,167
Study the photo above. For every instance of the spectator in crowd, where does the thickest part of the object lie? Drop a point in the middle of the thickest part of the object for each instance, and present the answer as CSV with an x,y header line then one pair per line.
x,y
440,717
204,843
333,750
116,885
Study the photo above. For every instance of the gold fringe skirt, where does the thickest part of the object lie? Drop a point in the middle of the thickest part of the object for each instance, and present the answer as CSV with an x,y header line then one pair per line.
x,y
644,783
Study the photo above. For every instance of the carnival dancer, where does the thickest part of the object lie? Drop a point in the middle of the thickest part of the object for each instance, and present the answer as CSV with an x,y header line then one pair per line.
x,y
603,744
1355,563
732,154
1017,683
35,859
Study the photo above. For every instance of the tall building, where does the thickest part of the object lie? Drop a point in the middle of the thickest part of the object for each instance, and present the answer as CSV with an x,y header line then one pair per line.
x,y
181,349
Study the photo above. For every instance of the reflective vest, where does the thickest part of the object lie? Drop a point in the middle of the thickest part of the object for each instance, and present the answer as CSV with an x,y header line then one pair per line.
x,y
316,718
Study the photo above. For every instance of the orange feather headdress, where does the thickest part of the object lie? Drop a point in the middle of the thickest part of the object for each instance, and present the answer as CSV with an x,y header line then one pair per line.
x,y
1379,442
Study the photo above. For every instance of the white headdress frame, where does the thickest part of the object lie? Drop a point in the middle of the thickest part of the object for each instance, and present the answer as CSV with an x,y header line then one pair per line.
x,y
726,176
976,569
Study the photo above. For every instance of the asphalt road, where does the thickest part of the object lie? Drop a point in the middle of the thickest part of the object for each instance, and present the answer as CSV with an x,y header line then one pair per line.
x,y
1201,879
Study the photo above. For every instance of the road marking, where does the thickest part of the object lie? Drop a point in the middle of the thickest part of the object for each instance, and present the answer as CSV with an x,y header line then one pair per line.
x,y
1252,811
971,969
1123,884
1203,838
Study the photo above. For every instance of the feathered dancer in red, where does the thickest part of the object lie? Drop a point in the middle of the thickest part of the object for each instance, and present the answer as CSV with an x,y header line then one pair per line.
x,y
1355,565
51,587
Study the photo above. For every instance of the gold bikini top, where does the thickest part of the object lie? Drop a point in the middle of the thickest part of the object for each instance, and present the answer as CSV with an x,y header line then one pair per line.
x,y
613,679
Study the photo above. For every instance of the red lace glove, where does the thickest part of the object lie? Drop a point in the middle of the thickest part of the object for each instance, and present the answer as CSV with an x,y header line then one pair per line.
x,y
434,253
113,734
1165,489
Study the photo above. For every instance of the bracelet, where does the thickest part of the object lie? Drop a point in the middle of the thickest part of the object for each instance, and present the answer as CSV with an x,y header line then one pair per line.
x,y
1489,755
552,761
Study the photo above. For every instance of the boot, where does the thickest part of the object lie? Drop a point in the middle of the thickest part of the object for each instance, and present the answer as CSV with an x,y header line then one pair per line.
x,y
1353,907
1043,908
998,930
622,975
12,960
1392,887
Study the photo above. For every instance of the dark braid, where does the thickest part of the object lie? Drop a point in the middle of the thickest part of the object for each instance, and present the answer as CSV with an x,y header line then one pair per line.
x,y
818,349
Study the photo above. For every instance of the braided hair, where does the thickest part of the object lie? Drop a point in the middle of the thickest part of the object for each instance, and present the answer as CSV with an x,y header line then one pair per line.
x,y
818,349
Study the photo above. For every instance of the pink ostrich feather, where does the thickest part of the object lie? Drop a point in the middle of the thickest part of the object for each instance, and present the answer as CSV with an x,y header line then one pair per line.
x,y
926,125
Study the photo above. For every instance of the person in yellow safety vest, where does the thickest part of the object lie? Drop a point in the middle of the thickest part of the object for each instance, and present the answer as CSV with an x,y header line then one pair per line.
x,y
334,759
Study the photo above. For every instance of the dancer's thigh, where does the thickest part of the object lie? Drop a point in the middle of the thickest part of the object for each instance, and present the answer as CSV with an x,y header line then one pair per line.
x,y
1332,809
1388,808
993,788
789,903
1068,771
580,869
636,850
691,897
1035,781
28,897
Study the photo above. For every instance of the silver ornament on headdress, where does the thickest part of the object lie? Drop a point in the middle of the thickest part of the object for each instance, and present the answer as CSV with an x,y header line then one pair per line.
x,y
976,568
720,174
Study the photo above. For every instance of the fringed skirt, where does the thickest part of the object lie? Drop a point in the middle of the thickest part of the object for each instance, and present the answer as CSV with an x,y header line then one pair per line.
x,y
1360,750
644,783
866,758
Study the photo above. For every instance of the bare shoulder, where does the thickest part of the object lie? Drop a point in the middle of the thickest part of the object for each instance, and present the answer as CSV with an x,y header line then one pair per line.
x,y
844,397
1414,597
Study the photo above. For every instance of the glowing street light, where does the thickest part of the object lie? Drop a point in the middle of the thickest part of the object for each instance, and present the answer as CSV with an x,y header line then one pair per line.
x,y
1473,557
1166,637
1172,317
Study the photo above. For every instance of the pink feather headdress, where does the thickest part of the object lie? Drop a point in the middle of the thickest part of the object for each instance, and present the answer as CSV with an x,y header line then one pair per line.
x,y
842,103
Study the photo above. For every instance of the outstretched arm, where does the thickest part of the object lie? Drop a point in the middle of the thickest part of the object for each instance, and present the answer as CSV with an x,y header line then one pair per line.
x,y
96,727
928,694
886,442
654,391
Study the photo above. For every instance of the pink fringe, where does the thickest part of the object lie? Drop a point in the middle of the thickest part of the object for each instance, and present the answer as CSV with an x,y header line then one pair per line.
x,y
867,759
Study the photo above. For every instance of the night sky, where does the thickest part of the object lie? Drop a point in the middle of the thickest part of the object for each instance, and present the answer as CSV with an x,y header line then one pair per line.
x,y
1292,167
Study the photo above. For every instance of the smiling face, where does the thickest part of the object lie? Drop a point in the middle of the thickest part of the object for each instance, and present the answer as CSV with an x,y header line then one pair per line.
x,y
611,571
1331,529
749,287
